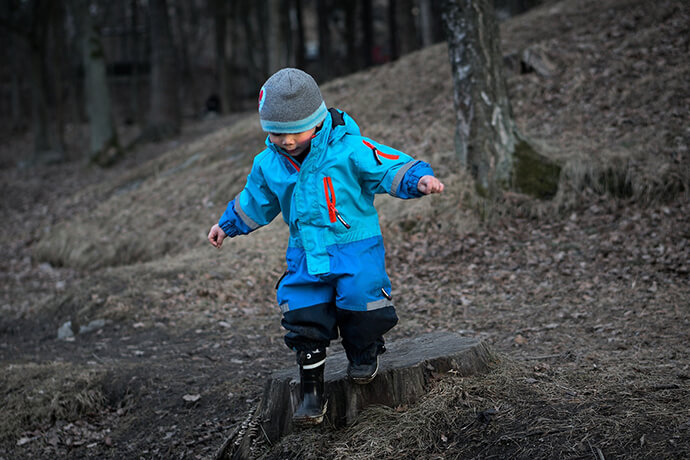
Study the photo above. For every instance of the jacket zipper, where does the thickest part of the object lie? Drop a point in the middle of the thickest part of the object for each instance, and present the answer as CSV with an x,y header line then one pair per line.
x,y
281,279
290,160
333,213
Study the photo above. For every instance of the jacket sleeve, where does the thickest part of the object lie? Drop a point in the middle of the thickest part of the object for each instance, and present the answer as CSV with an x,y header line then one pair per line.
x,y
254,207
384,169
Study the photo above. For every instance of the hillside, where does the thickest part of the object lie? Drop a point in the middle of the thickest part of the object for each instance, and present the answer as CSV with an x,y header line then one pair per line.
x,y
585,298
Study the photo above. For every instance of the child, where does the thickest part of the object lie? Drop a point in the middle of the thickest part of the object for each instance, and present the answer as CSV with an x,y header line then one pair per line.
x,y
322,175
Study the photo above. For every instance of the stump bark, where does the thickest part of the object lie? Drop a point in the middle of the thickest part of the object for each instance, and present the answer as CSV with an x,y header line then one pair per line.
x,y
405,372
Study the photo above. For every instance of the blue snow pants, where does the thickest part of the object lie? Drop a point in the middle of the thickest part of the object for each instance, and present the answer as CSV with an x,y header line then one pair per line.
x,y
353,300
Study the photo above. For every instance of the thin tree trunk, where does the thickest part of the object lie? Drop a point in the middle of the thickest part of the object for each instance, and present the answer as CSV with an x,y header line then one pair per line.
x,y
426,23
261,18
104,148
299,34
164,118
252,52
220,20
47,146
323,10
236,79
407,28
368,28
39,112
350,8
17,116
277,51
135,59
57,55
393,30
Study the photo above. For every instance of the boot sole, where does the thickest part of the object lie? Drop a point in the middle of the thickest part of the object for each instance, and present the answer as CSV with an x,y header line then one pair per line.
x,y
310,420
365,380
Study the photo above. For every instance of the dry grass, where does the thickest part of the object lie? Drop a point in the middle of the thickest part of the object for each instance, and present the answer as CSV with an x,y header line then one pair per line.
x,y
36,395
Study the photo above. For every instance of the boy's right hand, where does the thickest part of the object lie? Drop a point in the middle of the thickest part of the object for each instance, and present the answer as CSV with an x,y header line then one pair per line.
x,y
216,236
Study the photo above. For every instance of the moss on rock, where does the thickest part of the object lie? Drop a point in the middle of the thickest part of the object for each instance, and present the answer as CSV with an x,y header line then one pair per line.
x,y
535,174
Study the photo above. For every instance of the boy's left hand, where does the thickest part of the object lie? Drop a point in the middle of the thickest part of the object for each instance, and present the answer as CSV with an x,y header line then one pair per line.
x,y
429,184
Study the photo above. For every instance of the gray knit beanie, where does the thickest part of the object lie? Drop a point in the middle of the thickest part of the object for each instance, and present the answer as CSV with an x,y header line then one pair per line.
x,y
290,102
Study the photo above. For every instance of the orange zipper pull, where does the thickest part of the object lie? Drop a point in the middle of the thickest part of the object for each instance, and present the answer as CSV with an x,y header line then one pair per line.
x,y
333,213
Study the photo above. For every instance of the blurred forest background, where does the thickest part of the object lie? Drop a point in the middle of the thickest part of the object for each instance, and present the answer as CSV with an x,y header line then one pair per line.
x,y
150,64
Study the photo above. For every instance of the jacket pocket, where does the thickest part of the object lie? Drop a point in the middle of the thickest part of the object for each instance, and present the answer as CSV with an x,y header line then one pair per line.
x,y
281,279
333,213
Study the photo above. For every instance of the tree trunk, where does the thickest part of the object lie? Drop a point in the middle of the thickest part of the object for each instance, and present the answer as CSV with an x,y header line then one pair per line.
x,y
220,19
485,139
253,52
135,57
407,30
426,23
323,10
368,28
17,115
47,145
104,148
276,30
300,60
350,8
164,118
405,373
393,30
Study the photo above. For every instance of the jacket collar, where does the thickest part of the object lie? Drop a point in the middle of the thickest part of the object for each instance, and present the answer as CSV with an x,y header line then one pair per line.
x,y
325,136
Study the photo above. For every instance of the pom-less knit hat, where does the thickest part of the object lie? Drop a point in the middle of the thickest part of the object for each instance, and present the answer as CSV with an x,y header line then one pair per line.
x,y
290,102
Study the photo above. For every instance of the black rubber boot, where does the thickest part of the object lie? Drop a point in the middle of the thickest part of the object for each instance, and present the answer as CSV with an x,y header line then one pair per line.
x,y
364,372
313,406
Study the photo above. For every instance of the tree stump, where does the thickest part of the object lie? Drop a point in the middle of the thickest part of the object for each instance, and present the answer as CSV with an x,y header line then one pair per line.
x,y
405,372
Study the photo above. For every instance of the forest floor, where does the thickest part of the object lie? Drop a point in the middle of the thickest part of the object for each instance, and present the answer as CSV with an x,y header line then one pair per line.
x,y
586,298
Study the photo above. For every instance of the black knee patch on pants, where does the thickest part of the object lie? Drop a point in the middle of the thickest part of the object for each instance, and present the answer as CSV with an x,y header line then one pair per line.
x,y
311,327
362,332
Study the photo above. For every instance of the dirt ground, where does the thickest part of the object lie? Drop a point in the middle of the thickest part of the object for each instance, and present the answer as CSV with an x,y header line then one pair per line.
x,y
586,299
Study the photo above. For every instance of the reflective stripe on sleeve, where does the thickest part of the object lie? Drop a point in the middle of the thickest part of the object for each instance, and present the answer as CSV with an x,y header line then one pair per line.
x,y
399,177
243,215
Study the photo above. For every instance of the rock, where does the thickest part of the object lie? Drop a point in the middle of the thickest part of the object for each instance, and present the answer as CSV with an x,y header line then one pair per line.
x,y
92,326
65,331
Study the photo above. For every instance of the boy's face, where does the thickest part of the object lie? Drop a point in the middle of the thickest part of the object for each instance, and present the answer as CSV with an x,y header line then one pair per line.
x,y
293,143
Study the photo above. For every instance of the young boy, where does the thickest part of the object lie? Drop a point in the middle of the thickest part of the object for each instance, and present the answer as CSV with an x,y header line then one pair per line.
x,y
322,175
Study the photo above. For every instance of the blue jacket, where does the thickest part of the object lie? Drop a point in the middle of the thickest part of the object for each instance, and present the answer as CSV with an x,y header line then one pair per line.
x,y
329,199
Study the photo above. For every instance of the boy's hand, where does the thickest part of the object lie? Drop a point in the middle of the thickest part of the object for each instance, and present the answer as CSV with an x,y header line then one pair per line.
x,y
429,184
216,236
